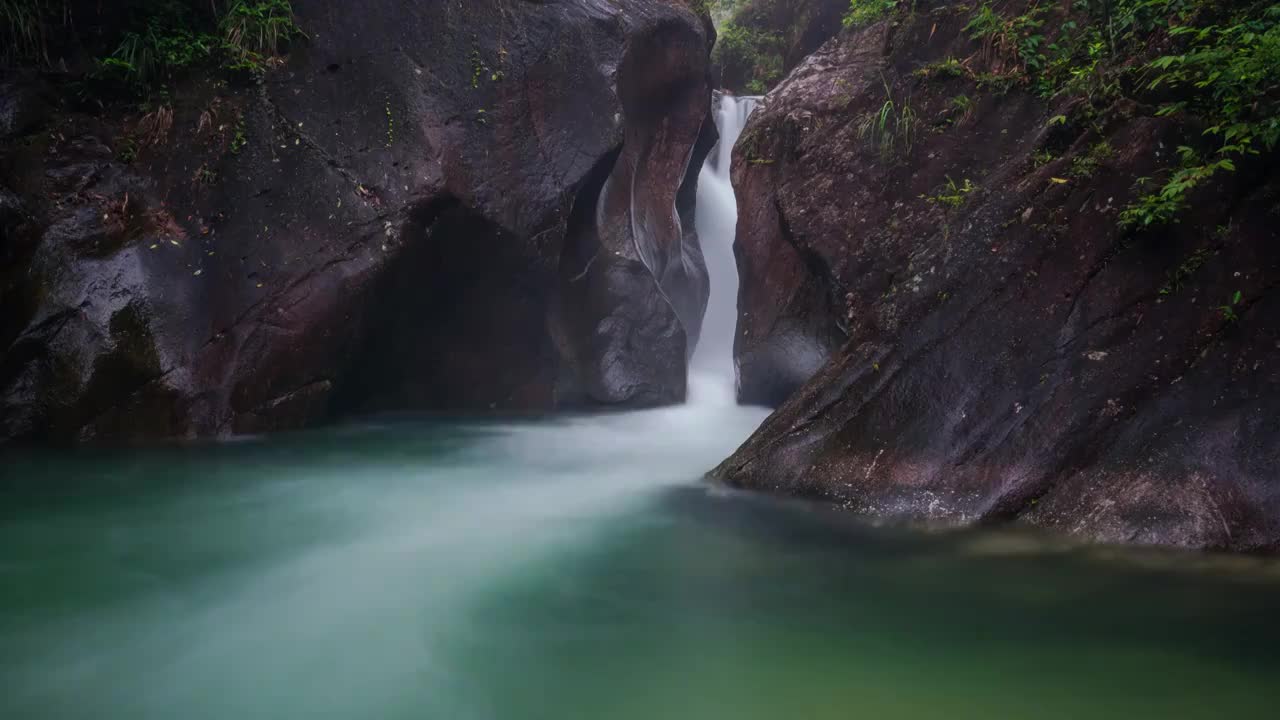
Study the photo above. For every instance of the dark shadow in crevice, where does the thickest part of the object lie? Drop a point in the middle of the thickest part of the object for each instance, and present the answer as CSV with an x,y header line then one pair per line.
x,y
456,323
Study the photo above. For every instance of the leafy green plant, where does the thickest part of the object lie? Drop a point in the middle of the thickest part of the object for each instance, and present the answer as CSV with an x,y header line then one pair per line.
x,y
166,38
865,12
754,53
1221,61
1010,40
996,82
1229,74
162,44
126,150
1188,268
954,195
949,67
1229,310
239,136
1164,206
480,69
891,128
391,125
22,29
258,27
1084,166
962,104
204,176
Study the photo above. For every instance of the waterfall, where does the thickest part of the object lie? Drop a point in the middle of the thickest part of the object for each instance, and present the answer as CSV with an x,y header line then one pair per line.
x,y
712,375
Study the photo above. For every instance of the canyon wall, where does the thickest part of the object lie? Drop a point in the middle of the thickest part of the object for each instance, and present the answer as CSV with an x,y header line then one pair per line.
x,y
463,207
939,290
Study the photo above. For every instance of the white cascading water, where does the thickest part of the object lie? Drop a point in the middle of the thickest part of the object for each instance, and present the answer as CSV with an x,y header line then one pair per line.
x,y
712,374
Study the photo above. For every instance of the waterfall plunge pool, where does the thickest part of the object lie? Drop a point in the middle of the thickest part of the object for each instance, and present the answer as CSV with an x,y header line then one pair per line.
x,y
573,568
577,568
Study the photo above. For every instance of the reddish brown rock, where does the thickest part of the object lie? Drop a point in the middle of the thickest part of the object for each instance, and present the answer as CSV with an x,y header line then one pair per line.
x,y
1011,353
380,226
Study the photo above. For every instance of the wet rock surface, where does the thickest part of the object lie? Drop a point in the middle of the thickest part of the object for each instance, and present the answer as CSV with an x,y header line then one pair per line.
x,y
381,225
634,284
960,332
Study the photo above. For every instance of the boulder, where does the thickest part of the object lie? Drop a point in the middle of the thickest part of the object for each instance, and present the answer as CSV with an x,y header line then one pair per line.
x,y
958,328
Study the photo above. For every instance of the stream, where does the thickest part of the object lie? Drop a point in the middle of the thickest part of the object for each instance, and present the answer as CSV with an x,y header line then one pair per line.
x,y
578,567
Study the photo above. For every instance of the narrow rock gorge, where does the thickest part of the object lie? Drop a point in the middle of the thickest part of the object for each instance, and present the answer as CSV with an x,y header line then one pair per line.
x,y
639,359
957,285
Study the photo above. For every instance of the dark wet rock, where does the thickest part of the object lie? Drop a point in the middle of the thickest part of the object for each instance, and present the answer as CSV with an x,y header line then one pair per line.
x,y
381,225
633,274
1016,357
22,107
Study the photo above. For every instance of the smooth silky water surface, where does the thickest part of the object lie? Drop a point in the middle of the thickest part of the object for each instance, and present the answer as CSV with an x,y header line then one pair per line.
x,y
578,568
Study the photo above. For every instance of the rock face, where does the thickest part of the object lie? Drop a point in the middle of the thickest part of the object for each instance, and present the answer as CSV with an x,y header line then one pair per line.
x,y
401,217
630,341
960,331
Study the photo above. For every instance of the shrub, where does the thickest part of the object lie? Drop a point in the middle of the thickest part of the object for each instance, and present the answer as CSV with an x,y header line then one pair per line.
x,y
258,27
1227,74
755,54
166,38
22,29
865,12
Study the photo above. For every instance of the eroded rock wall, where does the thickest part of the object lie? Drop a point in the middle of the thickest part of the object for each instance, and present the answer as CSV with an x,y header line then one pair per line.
x,y
379,225
960,331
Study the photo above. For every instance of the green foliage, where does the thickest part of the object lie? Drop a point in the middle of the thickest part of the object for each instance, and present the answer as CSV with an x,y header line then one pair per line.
x,y
239,136
768,73
1229,310
165,39
162,44
954,195
985,23
758,54
1222,63
865,12
1010,40
1228,75
1189,267
997,83
480,68
892,128
721,10
1163,206
961,109
942,69
253,30
391,125
1084,166
22,29
126,150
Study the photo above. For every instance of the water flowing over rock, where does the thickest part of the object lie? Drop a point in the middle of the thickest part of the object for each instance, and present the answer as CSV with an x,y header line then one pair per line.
x,y
399,218
713,372
959,331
